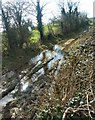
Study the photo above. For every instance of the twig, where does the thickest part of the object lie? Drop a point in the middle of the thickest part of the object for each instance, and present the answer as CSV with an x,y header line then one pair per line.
x,y
88,106
66,111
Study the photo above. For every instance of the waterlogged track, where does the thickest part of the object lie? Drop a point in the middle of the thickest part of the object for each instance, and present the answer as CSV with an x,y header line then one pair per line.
x,y
40,63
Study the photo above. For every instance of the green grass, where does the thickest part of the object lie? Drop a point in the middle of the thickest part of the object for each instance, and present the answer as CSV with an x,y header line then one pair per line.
x,y
35,36
54,28
45,29
14,61
35,33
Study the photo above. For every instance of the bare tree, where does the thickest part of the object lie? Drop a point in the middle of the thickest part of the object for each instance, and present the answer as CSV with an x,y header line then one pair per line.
x,y
16,23
7,27
18,11
71,19
39,20
38,13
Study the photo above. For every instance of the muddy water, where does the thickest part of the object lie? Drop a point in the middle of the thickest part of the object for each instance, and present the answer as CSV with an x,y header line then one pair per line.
x,y
56,53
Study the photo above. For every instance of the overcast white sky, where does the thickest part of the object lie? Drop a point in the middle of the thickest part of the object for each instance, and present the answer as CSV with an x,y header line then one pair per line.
x,y
52,7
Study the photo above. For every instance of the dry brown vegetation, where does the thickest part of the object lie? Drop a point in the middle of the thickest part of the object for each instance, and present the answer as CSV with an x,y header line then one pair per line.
x,y
67,96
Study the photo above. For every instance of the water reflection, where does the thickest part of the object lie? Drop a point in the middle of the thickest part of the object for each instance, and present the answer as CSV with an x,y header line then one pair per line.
x,y
5,100
47,54
56,53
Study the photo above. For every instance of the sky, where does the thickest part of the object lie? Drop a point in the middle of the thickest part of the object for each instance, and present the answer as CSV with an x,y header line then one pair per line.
x,y
52,8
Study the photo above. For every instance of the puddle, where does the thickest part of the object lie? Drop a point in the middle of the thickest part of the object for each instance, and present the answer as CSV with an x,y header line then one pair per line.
x,y
56,53
5,100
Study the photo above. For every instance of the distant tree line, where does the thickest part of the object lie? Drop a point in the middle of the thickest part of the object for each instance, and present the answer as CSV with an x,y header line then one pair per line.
x,y
71,19
16,22
16,25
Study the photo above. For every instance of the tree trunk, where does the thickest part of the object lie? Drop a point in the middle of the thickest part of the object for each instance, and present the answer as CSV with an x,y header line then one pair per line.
x,y
39,20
